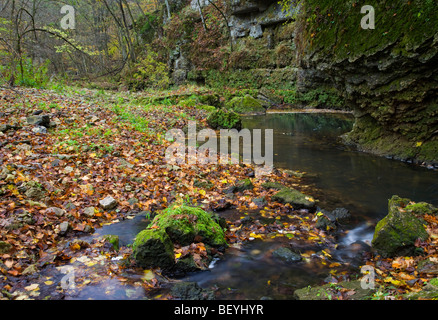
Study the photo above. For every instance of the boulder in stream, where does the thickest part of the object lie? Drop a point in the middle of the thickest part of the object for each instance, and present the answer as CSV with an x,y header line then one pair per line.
x,y
396,234
181,226
153,248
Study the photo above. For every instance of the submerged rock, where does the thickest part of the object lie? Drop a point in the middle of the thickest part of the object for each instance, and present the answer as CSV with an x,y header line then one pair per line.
x,y
333,219
113,240
396,234
286,255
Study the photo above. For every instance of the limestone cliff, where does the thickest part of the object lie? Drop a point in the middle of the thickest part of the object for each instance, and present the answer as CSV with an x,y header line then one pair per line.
x,y
388,74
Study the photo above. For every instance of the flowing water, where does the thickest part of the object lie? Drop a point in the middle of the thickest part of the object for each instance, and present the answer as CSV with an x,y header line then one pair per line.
x,y
359,182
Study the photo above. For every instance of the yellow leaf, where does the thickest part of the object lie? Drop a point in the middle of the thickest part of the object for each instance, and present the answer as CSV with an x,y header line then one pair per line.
x,y
32,287
48,283
254,235
334,265
397,283
202,192
148,275
75,246
178,255
419,144
326,254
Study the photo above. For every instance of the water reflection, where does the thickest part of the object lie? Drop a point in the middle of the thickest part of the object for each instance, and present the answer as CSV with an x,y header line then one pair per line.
x,y
360,182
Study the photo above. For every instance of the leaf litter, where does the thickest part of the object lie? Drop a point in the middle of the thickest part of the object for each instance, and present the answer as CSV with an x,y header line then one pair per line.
x,y
97,148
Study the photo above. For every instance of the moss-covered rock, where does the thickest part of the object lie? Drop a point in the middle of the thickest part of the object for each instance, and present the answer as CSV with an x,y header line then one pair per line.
x,y
328,291
5,247
422,208
395,234
428,292
185,224
223,119
297,199
113,240
153,248
245,105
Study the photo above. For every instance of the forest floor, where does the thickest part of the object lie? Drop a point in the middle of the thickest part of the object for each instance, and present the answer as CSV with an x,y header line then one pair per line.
x,y
103,144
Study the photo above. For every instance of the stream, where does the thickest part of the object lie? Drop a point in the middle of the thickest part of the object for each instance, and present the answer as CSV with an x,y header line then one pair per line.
x,y
359,182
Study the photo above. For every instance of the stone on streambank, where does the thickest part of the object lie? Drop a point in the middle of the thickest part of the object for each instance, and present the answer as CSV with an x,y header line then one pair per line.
x,y
108,203
396,234
39,120
223,119
113,240
181,225
240,186
246,105
297,199
327,291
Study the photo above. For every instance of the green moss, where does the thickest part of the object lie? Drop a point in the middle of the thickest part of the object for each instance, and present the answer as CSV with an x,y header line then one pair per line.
x,y
113,239
396,233
421,209
184,224
295,198
273,185
153,248
223,119
434,282
336,30
245,105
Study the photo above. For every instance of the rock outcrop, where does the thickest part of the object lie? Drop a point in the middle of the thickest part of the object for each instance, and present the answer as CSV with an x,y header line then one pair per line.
x,y
388,75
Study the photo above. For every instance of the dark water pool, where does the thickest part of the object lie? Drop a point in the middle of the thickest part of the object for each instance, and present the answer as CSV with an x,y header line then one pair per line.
x,y
360,182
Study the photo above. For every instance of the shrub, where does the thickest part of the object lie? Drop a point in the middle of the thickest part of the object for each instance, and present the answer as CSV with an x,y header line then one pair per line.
x,y
29,75
148,72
